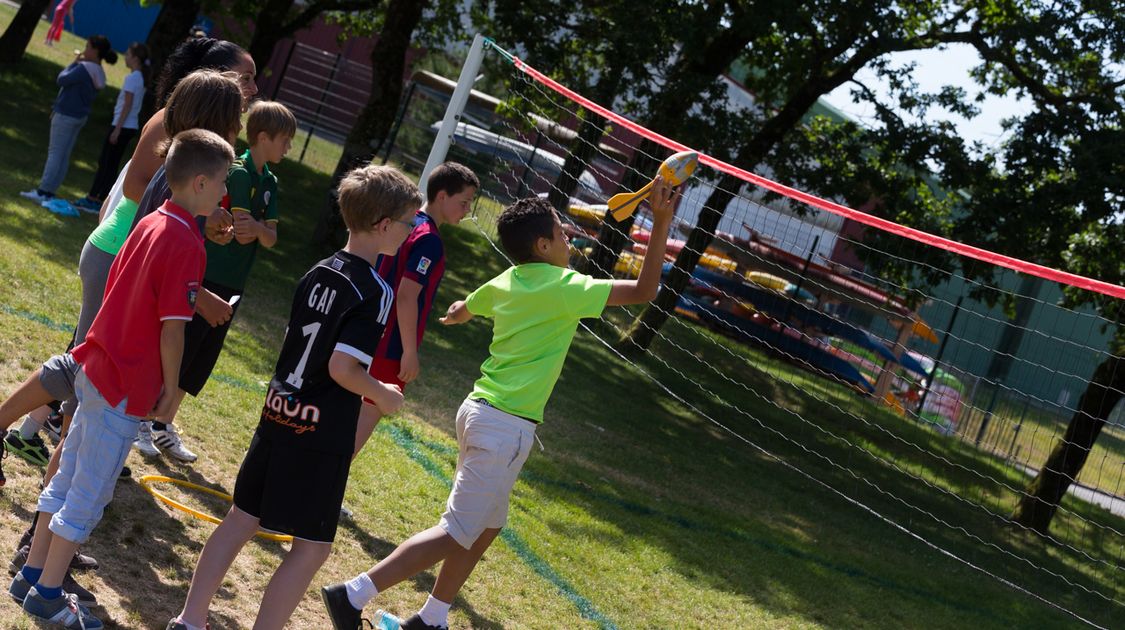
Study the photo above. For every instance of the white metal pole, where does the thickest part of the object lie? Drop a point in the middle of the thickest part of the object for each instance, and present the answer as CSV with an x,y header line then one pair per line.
x,y
453,113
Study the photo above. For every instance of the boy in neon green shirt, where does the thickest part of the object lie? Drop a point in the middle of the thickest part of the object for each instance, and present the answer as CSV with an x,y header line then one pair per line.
x,y
535,306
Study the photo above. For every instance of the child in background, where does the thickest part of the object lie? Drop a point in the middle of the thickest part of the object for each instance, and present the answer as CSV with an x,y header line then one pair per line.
x,y
293,477
78,84
64,10
415,273
125,125
130,365
535,306
252,198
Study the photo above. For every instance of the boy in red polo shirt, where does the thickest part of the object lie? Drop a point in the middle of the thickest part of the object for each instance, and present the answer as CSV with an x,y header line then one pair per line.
x,y
130,367
415,273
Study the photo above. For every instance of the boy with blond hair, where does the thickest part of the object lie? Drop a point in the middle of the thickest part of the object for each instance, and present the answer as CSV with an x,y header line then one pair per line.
x,y
535,306
293,476
130,367
252,200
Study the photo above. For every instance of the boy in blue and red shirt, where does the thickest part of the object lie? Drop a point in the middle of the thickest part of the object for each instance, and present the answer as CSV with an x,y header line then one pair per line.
x,y
415,273
130,368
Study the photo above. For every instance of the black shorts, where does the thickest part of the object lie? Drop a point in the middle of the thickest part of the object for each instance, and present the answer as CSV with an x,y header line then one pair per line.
x,y
203,343
291,490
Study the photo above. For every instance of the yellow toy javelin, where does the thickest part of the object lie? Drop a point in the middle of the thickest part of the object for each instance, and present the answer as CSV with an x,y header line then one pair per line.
x,y
675,170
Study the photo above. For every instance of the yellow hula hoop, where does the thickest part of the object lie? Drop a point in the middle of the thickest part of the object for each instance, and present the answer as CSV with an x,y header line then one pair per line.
x,y
147,480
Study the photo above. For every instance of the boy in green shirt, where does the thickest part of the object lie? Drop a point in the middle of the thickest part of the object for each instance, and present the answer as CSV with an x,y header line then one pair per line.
x,y
252,200
535,306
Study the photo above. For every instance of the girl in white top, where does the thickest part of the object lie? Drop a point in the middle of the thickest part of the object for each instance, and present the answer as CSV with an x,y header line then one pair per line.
x,y
126,123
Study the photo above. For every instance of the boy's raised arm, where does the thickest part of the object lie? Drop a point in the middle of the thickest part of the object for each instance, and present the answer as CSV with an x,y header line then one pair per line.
x,y
644,288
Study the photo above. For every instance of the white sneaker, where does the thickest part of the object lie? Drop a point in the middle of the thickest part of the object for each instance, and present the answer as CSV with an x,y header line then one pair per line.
x,y
143,443
33,195
169,442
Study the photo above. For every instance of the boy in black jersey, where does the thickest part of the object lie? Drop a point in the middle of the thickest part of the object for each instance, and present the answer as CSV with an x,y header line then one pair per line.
x,y
293,476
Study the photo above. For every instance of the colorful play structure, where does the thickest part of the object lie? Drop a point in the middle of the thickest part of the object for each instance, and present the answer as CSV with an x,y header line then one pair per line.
x,y
749,289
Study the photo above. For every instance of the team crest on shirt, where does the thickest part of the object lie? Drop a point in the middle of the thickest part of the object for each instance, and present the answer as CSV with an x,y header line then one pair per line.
x,y
192,293
424,265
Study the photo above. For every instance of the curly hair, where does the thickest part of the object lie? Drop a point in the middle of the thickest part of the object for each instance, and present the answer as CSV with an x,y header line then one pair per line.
x,y
204,53
522,224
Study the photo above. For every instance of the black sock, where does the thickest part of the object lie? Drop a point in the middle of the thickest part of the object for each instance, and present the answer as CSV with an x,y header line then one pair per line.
x,y
159,426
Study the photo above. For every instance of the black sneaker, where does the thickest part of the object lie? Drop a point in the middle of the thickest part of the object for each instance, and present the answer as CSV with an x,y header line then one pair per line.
x,y
415,622
53,428
80,561
85,597
31,449
344,616
3,454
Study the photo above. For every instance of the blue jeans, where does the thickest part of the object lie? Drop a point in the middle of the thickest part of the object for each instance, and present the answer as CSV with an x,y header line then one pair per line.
x,y
64,133
93,453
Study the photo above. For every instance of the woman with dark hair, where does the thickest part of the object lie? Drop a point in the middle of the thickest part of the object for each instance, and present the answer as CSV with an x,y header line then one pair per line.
x,y
78,84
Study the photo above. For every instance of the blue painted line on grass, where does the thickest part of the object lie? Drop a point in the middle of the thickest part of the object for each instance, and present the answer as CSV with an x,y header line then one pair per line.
x,y
406,440
40,319
735,534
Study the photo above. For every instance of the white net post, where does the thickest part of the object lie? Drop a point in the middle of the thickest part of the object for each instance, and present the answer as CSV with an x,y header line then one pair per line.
x,y
453,112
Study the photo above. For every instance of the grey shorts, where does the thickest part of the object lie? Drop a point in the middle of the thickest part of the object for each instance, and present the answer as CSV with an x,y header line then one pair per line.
x,y
57,377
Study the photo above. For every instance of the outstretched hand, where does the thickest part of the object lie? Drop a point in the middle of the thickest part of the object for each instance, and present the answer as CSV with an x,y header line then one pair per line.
x,y
663,200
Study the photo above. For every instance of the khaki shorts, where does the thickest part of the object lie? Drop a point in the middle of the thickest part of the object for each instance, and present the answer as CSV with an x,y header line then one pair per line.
x,y
492,448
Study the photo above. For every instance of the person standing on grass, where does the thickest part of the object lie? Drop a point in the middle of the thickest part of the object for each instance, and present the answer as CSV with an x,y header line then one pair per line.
x,y
535,306
252,198
123,128
64,10
130,365
119,209
293,476
78,84
415,273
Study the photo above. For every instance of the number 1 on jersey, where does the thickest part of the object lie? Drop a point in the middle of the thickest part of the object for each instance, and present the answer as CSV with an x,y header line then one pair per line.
x,y
296,377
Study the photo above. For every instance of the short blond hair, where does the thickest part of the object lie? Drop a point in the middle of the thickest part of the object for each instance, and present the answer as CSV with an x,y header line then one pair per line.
x,y
369,194
269,117
196,152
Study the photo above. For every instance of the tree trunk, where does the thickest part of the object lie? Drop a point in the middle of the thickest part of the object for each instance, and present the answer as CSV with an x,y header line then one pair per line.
x,y
269,28
171,27
1066,460
18,34
644,328
578,156
388,59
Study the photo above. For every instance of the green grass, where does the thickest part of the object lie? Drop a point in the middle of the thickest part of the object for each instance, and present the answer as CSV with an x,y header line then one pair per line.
x,y
638,511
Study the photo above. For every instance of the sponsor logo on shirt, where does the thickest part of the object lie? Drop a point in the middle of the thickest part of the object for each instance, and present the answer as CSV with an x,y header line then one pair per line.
x,y
266,197
288,412
337,264
423,265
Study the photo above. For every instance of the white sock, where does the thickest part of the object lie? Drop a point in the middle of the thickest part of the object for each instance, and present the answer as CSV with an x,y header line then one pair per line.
x,y
188,625
360,590
435,612
29,427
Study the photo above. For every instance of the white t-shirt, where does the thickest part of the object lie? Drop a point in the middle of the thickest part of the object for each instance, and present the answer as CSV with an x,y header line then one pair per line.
x,y
134,83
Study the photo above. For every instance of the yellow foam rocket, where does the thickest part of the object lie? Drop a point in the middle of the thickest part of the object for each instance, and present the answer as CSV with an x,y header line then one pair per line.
x,y
675,170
